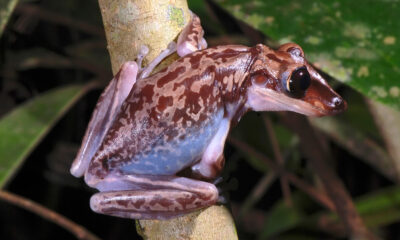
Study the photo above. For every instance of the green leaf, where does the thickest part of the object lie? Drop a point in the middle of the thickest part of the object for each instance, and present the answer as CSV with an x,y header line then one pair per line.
x,y
6,9
23,128
381,207
357,42
282,217
200,9
377,209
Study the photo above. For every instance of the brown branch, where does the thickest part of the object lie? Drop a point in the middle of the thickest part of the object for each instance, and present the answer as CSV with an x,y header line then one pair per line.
x,y
278,156
299,183
317,153
79,231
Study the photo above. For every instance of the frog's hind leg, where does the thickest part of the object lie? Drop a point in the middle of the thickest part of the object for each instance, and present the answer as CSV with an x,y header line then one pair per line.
x,y
103,115
110,103
152,197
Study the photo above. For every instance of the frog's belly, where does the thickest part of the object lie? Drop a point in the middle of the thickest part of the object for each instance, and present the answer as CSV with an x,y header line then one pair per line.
x,y
168,158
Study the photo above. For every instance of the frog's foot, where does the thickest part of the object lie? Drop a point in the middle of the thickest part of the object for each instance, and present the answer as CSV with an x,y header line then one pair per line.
x,y
222,200
151,197
145,72
218,180
221,195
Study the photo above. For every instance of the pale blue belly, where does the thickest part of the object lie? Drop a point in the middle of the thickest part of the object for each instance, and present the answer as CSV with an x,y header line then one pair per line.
x,y
168,158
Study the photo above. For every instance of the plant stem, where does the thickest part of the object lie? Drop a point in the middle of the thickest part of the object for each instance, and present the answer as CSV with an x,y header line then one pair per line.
x,y
79,231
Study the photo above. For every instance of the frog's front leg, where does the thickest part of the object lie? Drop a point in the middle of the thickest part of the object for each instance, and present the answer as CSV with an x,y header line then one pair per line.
x,y
213,160
152,197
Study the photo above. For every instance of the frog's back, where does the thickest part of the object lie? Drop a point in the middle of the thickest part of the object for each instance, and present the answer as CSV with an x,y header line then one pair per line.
x,y
167,120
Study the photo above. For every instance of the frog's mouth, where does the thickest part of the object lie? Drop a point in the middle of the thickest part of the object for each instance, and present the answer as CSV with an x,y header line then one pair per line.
x,y
265,99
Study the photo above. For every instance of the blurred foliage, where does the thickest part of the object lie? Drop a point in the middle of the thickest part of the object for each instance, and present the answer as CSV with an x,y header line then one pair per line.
x,y
23,128
354,41
378,209
6,9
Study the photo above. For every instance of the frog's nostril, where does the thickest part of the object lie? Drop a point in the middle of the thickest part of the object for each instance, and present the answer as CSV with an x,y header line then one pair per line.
x,y
339,104
337,101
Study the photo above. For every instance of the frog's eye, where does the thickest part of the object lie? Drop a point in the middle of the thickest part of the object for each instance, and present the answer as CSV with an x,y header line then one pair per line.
x,y
298,82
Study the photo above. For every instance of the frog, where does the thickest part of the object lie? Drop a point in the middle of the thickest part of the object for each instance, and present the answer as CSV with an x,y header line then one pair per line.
x,y
154,145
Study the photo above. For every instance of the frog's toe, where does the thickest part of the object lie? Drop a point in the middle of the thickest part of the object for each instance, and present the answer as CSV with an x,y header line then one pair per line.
x,y
218,180
222,200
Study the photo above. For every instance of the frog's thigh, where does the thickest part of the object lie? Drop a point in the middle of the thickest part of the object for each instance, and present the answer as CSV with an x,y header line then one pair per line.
x,y
212,160
158,198
106,109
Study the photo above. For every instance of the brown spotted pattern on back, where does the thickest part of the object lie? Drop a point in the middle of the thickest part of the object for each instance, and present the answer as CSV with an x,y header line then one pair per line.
x,y
174,104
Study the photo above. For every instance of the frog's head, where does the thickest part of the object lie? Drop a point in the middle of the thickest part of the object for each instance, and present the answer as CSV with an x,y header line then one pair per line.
x,y
283,80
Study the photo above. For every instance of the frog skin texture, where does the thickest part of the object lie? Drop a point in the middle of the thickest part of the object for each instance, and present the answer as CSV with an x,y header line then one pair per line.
x,y
148,129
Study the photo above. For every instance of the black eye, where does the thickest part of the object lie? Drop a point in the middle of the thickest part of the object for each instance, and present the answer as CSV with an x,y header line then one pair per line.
x,y
298,83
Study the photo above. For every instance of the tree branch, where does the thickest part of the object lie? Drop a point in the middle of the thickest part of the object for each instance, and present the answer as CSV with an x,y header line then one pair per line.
x,y
77,230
